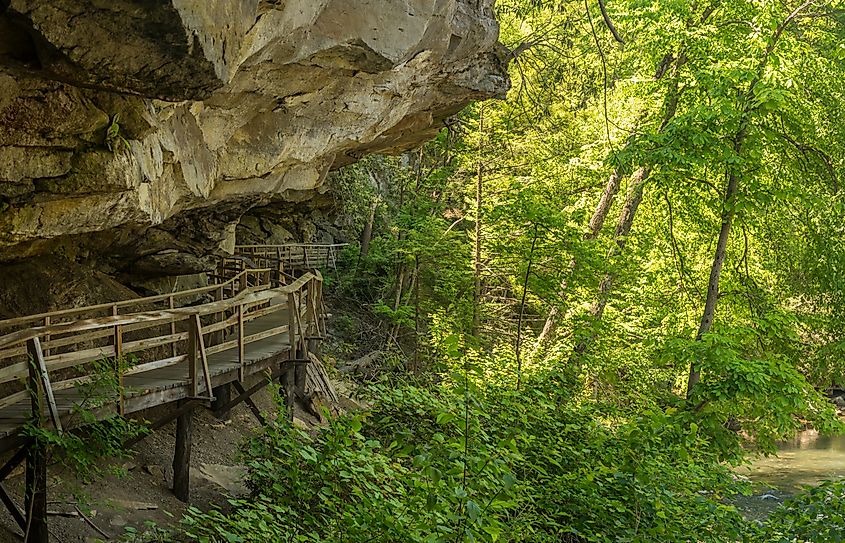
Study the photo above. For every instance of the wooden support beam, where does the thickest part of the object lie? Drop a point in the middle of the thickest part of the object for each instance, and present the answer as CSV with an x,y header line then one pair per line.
x,y
13,462
13,508
197,328
286,381
5,470
250,403
39,382
35,494
242,396
182,457
183,408
299,375
222,395
241,367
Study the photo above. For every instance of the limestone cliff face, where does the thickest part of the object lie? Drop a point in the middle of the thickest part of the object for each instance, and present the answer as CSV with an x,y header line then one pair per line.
x,y
143,129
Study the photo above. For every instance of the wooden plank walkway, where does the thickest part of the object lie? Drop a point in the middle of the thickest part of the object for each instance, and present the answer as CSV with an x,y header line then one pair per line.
x,y
51,364
236,337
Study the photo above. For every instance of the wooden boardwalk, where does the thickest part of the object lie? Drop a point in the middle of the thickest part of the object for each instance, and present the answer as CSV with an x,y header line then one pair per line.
x,y
116,359
293,256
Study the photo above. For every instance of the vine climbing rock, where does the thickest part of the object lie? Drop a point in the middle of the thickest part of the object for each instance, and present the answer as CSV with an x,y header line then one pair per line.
x,y
121,125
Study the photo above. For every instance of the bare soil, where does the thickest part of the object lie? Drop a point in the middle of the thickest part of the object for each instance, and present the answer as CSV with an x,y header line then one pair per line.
x,y
114,503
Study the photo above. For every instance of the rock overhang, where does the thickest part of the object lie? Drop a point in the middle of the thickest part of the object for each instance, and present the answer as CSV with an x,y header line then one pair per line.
x,y
216,104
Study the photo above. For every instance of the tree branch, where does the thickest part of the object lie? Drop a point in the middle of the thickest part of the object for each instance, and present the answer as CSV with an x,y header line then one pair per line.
x,y
609,23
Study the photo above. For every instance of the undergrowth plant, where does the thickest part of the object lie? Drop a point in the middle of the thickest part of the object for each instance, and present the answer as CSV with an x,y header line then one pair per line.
x,y
91,438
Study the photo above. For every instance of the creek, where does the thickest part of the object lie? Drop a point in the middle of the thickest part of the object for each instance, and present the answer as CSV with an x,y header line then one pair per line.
x,y
807,459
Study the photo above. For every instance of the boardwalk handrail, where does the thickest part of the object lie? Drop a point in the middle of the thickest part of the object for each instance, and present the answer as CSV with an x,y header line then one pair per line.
x,y
18,321
316,245
150,317
293,255
18,350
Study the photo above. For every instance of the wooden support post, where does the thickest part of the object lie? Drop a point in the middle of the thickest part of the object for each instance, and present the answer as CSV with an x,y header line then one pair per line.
x,y
35,494
47,322
182,457
192,357
314,345
196,326
300,371
222,395
172,326
241,345
39,382
35,490
287,381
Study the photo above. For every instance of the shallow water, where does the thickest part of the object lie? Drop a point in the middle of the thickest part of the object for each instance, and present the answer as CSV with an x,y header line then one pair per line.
x,y
805,460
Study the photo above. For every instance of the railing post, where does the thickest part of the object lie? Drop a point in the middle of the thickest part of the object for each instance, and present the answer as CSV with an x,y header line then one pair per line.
x,y
288,378
172,327
221,316
241,361
47,322
117,341
203,358
192,357
35,491
279,267
292,324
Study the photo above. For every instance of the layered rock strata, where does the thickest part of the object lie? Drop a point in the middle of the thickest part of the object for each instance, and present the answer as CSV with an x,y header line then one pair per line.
x,y
138,132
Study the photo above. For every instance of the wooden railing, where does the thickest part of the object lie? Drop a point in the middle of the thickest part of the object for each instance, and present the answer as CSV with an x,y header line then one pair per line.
x,y
292,255
53,352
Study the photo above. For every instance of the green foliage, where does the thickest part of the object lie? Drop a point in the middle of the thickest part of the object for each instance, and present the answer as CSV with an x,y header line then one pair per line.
x,y
815,516
114,139
469,462
83,449
600,443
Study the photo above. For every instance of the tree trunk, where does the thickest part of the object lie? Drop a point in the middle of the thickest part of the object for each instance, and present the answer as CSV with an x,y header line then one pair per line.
x,y
629,210
620,237
715,274
476,317
593,229
416,314
731,191
397,300
522,311
670,107
367,233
